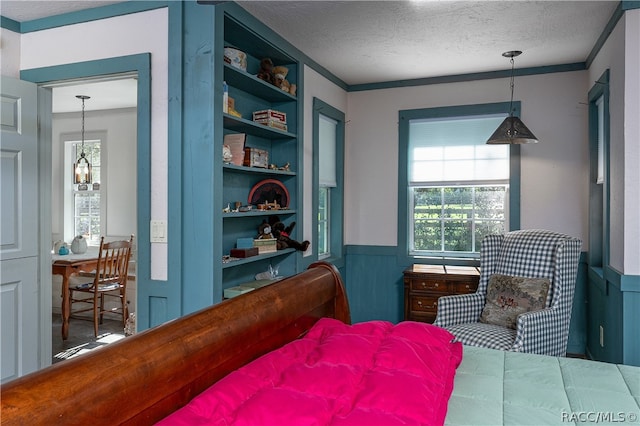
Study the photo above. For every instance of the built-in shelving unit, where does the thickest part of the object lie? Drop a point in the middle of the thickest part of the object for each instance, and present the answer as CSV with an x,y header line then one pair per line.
x,y
252,94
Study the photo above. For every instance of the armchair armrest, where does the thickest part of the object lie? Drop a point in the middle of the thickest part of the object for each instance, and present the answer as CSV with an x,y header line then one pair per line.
x,y
542,332
459,309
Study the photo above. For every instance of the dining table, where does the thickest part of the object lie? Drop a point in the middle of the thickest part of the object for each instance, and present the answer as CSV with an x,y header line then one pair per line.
x,y
68,265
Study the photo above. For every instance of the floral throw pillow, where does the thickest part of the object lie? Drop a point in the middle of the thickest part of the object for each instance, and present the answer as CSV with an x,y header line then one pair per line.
x,y
508,297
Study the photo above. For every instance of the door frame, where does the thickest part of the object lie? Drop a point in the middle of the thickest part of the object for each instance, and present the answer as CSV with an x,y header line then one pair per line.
x,y
141,65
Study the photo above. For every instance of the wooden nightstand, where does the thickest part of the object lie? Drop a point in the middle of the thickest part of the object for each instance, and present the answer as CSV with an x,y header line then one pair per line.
x,y
424,284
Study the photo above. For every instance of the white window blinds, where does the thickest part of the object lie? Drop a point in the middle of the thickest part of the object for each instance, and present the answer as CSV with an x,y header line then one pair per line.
x,y
454,149
327,141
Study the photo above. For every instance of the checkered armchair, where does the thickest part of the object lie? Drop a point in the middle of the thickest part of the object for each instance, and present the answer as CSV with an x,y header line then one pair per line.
x,y
526,253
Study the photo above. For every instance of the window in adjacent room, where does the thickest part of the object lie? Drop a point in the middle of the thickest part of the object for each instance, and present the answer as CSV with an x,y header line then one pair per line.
x,y
457,188
83,207
328,139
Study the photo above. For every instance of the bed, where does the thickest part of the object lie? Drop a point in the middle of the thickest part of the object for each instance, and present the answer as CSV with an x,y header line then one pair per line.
x,y
162,373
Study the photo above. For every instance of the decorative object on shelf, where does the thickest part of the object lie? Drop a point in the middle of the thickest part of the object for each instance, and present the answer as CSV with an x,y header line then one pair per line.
x,y
231,107
244,242
271,118
79,245
266,70
227,209
264,231
512,130
96,186
271,114
272,123
236,58
227,156
269,192
57,245
283,235
225,97
82,167
270,275
280,80
236,141
242,253
63,250
265,242
254,157
285,168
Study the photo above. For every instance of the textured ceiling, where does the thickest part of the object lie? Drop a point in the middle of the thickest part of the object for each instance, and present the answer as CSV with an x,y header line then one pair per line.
x,y
379,41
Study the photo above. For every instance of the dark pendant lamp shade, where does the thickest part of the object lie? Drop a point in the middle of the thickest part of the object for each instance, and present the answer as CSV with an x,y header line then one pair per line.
x,y
512,131
82,167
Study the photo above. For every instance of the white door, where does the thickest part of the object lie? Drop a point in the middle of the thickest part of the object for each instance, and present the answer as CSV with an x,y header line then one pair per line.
x,y
19,258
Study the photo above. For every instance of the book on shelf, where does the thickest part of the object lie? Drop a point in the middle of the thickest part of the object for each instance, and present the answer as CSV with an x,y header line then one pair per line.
x,y
235,141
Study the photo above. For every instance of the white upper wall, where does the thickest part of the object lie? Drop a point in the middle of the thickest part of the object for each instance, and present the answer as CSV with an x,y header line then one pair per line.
x,y
144,32
554,171
9,53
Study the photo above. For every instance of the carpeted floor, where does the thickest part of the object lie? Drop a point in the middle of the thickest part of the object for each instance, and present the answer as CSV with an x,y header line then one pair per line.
x,y
81,337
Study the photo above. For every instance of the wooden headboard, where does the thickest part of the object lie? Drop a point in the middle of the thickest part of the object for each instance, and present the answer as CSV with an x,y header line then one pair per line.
x,y
143,378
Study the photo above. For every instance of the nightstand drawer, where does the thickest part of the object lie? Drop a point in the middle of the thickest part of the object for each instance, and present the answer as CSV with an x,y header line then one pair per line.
x,y
428,284
463,287
424,304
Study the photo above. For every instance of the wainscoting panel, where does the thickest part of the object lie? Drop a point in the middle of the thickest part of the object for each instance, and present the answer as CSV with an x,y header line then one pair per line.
x,y
374,283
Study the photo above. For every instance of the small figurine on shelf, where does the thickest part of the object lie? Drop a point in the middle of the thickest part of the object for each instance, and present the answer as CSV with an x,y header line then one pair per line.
x,y
282,233
280,78
227,156
227,209
265,73
264,231
283,168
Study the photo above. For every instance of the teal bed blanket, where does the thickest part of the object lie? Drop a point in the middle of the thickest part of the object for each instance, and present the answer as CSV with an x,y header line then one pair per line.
x,y
506,388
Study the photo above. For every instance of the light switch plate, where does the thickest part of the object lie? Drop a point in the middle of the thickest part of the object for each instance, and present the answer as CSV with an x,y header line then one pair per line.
x,y
158,231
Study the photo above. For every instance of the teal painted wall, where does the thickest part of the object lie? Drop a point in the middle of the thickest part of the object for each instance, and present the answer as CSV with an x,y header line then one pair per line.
x,y
374,282
613,301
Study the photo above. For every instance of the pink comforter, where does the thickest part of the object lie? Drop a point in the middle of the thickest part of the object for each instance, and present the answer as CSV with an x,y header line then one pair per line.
x,y
371,373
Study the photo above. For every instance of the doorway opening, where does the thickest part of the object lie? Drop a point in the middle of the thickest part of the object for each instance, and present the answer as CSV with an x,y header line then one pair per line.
x,y
108,206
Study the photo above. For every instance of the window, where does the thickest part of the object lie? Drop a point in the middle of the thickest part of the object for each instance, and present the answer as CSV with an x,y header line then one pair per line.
x,y
83,203
457,189
599,174
328,139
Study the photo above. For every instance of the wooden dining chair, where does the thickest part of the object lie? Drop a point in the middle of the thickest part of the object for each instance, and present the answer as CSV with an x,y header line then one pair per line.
x,y
110,280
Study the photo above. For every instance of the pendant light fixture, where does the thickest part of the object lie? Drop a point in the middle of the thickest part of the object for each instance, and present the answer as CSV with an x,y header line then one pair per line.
x,y
82,167
512,130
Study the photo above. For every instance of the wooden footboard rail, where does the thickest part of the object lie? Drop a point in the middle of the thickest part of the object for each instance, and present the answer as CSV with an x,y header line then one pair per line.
x,y
143,378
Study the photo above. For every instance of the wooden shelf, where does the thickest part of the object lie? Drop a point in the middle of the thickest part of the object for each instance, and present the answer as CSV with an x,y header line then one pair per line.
x,y
256,213
252,84
257,258
242,125
258,170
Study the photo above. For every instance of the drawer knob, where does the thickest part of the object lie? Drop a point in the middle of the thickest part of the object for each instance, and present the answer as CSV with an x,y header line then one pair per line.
x,y
419,303
468,286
